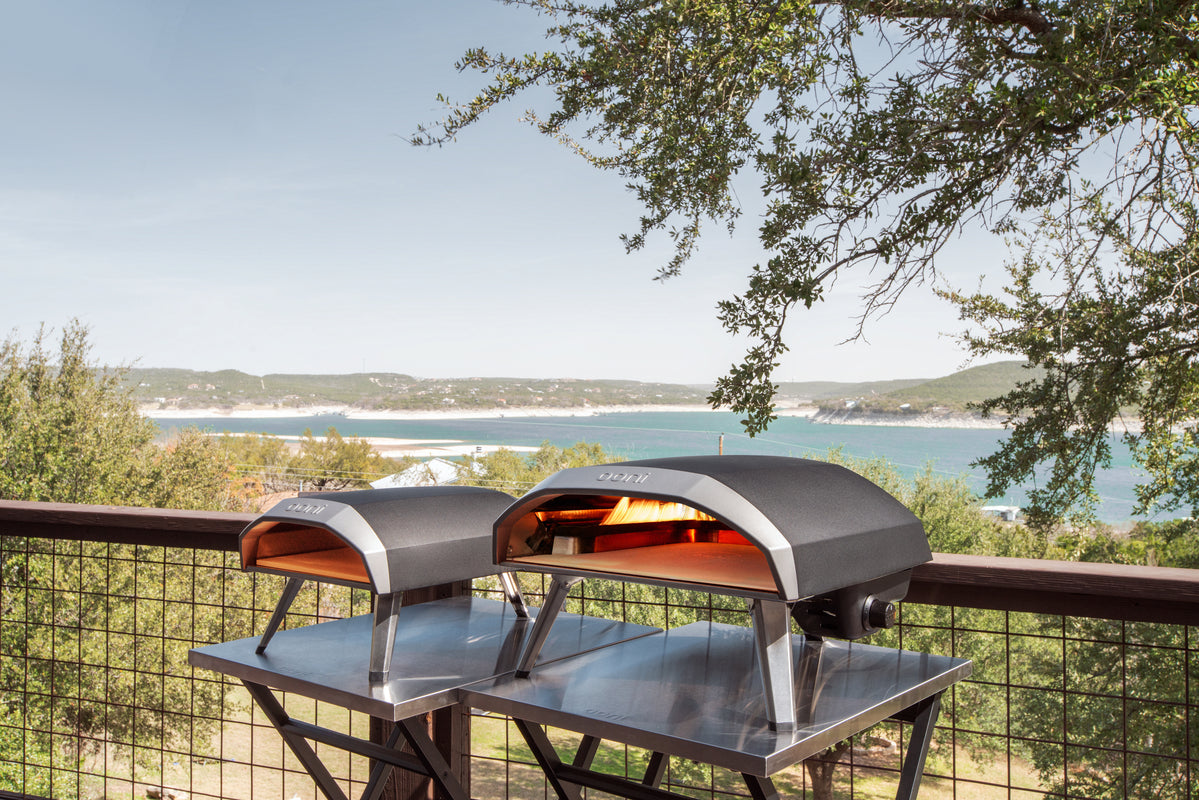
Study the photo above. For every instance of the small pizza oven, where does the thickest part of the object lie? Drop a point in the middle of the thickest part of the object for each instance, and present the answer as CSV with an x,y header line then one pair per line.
x,y
797,538
384,540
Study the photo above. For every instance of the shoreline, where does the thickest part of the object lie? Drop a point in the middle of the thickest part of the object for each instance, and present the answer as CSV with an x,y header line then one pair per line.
x,y
955,420
349,412
805,411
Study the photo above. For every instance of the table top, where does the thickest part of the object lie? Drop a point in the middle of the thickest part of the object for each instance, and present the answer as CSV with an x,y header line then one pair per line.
x,y
695,692
441,647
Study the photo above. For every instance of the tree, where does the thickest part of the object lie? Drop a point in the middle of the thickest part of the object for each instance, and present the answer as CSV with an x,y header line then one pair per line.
x,y
70,433
323,463
879,131
508,471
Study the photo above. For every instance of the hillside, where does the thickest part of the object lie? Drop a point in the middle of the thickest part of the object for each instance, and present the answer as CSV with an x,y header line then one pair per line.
x,y
815,391
227,389
951,398
969,386
384,391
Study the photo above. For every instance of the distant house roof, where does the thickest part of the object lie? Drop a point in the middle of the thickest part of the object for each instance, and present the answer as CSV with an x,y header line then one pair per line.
x,y
1009,513
434,472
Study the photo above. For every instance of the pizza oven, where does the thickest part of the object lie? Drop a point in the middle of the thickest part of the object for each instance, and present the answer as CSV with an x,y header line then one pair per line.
x,y
800,539
384,540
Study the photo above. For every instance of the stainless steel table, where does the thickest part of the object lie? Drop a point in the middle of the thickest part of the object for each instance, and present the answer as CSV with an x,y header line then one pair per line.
x,y
694,691
441,647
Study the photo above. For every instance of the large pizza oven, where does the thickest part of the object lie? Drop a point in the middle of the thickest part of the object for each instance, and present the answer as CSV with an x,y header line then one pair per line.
x,y
384,540
798,538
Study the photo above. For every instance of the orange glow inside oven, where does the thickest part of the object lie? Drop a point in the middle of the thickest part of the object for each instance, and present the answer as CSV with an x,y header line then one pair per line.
x,y
303,551
637,537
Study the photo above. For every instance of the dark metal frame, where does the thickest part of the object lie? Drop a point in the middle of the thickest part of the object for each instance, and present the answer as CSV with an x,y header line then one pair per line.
x,y
386,757
567,778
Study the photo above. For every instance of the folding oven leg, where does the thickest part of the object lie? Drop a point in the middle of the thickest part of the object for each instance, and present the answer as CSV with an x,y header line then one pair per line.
x,y
655,770
512,592
555,598
290,590
383,635
772,634
923,716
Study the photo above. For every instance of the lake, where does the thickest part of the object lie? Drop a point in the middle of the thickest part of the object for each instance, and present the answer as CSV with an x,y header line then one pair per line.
x,y
655,434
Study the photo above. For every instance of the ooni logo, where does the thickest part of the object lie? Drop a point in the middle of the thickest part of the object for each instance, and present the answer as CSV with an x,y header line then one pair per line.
x,y
623,477
307,508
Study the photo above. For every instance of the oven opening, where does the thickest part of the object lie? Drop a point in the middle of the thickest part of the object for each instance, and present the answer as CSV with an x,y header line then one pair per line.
x,y
303,551
638,537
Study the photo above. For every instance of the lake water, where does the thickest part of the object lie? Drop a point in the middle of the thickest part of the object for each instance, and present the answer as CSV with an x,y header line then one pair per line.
x,y
657,434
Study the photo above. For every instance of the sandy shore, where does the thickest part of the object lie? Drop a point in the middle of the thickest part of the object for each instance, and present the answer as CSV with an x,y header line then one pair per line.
x,y
390,447
349,412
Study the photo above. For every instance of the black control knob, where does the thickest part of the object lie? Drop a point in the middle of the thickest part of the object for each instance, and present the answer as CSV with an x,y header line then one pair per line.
x,y
878,613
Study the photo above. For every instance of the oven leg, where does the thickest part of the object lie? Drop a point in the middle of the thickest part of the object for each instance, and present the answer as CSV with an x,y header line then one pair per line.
x,y
555,598
772,635
383,634
290,590
513,593
923,716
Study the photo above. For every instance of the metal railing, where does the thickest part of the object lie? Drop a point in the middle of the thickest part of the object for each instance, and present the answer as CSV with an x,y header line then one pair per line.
x,y
1086,679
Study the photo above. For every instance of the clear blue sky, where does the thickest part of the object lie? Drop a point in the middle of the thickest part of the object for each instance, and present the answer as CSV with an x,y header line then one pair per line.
x,y
217,184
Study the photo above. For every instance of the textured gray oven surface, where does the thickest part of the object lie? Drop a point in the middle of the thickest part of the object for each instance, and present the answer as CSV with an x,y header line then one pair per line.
x,y
440,647
695,692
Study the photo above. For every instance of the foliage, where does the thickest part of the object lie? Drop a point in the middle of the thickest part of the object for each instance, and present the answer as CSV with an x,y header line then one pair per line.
x,y
326,463
878,132
1108,311
948,509
331,463
70,433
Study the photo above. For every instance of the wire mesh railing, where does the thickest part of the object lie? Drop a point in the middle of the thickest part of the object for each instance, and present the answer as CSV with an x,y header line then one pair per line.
x,y
97,698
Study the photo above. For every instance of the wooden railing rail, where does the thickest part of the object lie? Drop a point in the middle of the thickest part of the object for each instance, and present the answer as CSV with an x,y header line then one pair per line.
x,y
1105,591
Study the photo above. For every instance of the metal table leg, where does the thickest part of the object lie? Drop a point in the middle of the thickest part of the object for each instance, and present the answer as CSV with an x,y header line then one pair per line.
x,y
427,760
923,716
565,779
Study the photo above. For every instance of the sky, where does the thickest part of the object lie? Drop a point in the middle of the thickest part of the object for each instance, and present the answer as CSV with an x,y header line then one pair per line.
x,y
227,185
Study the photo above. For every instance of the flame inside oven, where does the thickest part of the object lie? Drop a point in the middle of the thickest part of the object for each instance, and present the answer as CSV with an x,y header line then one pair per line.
x,y
639,509
634,536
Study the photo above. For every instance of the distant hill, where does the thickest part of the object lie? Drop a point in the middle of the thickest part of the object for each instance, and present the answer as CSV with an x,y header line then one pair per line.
x,y
189,389
815,391
972,385
953,394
